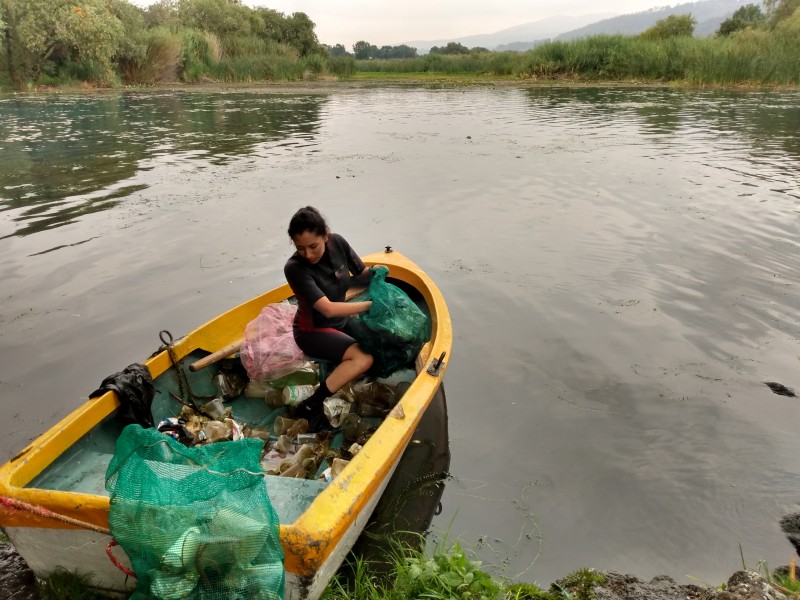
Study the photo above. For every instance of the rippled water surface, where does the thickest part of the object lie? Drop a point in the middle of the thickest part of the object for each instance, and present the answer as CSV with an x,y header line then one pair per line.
x,y
621,267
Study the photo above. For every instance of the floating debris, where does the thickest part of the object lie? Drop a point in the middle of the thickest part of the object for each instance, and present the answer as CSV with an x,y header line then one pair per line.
x,y
780,389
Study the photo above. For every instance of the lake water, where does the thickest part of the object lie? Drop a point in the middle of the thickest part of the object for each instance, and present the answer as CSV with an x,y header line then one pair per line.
x,y
621,266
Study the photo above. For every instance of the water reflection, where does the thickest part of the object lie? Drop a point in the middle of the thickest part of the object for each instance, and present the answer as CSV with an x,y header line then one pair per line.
x,y
621,267
67,156
769,121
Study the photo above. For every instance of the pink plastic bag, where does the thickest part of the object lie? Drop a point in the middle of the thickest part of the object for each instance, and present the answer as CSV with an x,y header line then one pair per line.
x,y
269,350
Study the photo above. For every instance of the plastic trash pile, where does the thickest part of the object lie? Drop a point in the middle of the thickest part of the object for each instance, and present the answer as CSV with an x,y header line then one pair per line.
x,y
354,413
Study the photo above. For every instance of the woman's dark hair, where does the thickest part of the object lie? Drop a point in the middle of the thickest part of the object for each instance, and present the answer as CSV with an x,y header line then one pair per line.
x,y
307,219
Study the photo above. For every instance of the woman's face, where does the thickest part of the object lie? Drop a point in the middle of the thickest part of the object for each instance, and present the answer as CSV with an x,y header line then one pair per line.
x,y
310,245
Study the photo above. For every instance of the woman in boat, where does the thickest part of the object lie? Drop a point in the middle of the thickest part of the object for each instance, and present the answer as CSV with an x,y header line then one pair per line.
x,y
320,273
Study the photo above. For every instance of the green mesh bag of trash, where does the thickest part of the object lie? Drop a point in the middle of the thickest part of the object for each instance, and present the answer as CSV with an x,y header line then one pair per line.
x,y
393,330
197,522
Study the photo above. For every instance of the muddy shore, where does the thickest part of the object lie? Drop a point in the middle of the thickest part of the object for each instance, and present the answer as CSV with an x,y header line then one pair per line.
x,y
328,85
18,582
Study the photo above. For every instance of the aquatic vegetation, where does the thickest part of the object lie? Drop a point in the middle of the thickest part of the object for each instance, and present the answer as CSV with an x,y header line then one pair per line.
x,y
412,573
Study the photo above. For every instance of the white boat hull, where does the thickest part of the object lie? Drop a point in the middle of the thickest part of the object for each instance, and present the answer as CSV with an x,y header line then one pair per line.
x,y
84,552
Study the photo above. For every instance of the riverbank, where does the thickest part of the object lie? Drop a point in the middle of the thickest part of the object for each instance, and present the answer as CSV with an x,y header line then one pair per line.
x,y
383,80
18,582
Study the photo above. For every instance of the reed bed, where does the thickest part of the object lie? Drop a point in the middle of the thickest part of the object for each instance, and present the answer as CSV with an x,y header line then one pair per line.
x,y
754,57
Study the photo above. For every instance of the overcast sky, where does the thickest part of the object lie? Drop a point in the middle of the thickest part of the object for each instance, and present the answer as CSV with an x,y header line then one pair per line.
x,y
390,23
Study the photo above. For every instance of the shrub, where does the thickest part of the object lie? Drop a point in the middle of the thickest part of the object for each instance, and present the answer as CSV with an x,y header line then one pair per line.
x,y
313,65
343,66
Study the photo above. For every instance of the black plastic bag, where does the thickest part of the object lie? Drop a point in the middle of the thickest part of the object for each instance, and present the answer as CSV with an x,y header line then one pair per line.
x,y
135,390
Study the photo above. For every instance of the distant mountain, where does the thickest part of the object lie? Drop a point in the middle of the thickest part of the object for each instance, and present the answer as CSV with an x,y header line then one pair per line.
x,y
709,15
535,30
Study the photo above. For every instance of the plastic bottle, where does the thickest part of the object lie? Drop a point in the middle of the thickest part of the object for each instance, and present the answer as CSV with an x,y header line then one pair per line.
x,y
214,409
274,398
259,389
256,389
306,375
295,394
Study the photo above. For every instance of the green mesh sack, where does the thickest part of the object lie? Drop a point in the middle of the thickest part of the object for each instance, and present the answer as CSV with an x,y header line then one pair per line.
x,y
393,330
195,522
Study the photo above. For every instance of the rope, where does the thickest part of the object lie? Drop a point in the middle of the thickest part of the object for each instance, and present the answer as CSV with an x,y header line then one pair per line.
x,y
48,514
114,560
183,384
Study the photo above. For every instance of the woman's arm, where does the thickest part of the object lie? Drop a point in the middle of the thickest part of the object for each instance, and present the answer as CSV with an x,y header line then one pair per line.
x,y
340,309
363,278
367,274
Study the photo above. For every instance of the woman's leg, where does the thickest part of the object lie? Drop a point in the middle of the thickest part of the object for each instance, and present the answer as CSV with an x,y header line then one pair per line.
x,y
354,363
334,346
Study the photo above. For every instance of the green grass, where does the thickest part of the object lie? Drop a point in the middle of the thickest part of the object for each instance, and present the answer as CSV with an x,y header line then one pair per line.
x,y
64,585
785,581
447,573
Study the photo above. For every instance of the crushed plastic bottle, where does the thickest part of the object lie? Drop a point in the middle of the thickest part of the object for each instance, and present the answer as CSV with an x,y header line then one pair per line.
x,y
306,375
295,394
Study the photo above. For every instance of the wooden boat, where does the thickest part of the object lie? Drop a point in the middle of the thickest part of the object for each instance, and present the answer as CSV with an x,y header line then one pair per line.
x,y
63,470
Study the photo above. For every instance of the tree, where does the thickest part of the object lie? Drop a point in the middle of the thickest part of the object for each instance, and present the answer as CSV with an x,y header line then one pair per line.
x,y
364,50
8,40
222,17
337,50
296,30
300,34
780,10
132,48
402,51
450,48
163,13
672,26
273,25
89,32
747,16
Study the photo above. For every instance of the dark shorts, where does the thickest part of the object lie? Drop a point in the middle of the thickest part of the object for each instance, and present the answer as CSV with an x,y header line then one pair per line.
x,y
325,343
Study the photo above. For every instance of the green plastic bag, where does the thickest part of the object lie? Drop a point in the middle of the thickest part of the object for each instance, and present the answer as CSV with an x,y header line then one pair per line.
x,y
195,522
393,330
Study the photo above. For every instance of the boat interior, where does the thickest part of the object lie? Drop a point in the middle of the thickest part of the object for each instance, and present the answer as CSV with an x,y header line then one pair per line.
x,y
82,467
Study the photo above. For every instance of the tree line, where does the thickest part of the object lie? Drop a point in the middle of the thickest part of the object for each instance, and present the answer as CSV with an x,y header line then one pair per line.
x,y
110,42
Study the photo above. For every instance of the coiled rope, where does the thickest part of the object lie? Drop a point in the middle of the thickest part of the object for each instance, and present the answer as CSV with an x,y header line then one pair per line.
x,y
49,514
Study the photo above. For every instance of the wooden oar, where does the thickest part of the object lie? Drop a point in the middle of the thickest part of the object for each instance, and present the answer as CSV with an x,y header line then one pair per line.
x,y
216,356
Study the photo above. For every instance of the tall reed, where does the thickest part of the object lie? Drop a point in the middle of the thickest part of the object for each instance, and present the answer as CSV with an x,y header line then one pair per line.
x,y
754,57
159,61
